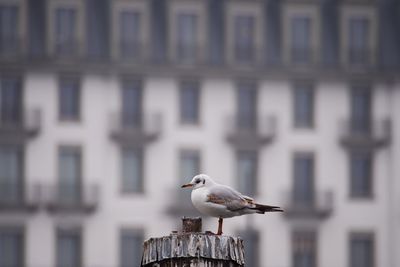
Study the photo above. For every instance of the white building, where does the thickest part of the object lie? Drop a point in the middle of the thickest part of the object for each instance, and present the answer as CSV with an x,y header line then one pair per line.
x,y
107,107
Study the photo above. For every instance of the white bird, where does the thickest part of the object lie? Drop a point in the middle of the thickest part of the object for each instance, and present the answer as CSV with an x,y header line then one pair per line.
x,y
221,201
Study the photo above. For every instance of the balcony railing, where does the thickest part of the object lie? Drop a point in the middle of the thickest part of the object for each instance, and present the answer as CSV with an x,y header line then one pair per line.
x,y
135,129
319,205
17,127
250,133
301,55
16,197
70,198
188,55
359,57
10,48
372,134
132,52
66,50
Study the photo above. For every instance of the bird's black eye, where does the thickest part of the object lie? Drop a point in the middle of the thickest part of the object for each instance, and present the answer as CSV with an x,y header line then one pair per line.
x,y
197,181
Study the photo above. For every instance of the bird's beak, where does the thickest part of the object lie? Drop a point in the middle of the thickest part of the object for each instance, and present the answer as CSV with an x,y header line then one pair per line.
x,y
187,185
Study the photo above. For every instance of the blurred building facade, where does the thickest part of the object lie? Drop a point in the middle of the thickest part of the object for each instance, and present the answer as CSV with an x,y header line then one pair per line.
x,y
106,107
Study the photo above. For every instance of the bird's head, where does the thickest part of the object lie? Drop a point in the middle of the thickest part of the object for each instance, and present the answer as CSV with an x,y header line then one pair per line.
x,y
200,180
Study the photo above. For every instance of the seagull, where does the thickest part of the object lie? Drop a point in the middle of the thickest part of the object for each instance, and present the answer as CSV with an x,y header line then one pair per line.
x,y
221,201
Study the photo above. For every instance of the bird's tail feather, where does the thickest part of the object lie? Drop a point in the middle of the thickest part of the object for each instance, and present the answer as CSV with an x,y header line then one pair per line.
x,y
261,209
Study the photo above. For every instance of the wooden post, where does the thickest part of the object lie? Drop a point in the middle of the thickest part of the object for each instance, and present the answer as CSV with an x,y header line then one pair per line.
x,y
192,248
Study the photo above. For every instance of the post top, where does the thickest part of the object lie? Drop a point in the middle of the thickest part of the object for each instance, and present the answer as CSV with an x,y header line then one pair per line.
x,y
184,247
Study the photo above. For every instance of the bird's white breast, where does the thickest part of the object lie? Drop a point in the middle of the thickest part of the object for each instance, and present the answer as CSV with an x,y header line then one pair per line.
x,y
200,202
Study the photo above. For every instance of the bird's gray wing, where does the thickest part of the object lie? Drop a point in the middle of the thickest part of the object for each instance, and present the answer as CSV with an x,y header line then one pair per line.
x,y
228,197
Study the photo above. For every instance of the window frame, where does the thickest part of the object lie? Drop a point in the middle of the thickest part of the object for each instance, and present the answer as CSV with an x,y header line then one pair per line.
x,y
254,9
194,85
79,8
76,80
143,9
290,11
138,151
127,230
310,88
304,235
362,234
199,8
348,11
70,230
255,158
370,169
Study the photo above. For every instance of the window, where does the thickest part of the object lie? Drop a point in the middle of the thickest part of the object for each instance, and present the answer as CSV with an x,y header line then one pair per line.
x,y
246,106
132,103
10,102
358,51
303,184
11,247
65,32
70,173
129,34
252,241
303,106
189,102
69,248
362,250
247,172
69,99
132,170
244,38
159,30
189,163
8,30
361,109
97,29
186,49
304,249
131,244
361,174
301,39
37,28
11,168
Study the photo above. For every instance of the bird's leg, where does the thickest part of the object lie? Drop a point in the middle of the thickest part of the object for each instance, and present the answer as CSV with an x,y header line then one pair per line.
x,y
220,221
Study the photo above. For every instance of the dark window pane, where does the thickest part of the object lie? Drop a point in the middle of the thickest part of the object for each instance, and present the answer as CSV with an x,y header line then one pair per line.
x,y
69,99
69,248
159,31
361,250
216,31
11,247
361,174
65,32
187,38
11,101
69,174
304,249
131,248
37,13
131,103
358,40
8,30
129,32
247,172
246,106
189,102
11,182
244,41
361,110
252,243
132,170
303,106
303,191
97,28
301,39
